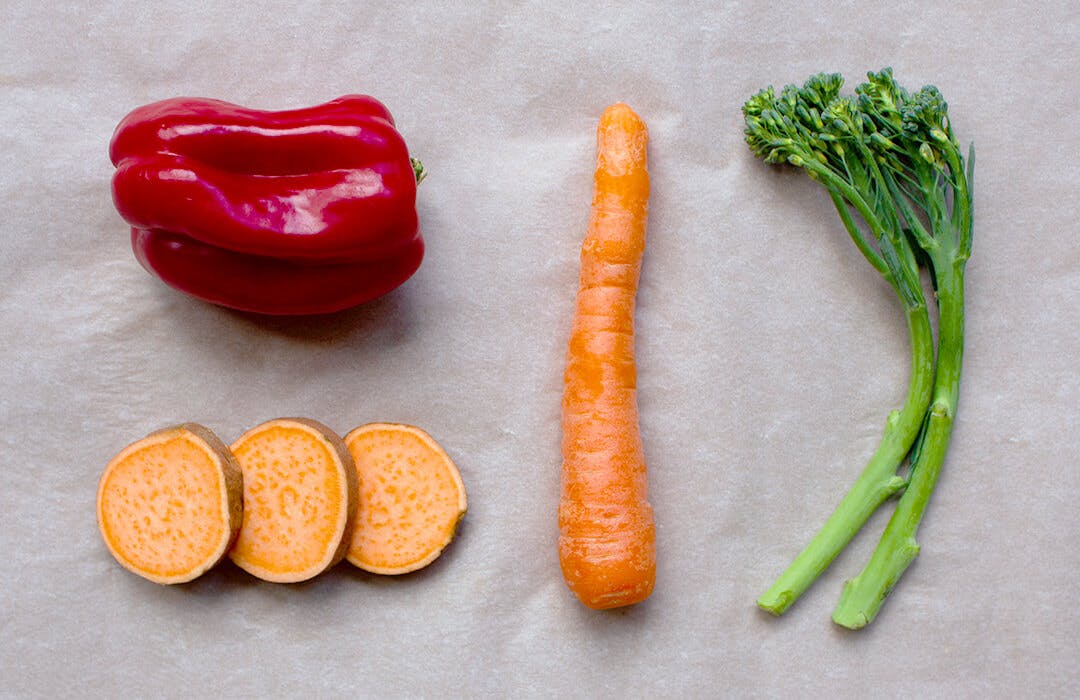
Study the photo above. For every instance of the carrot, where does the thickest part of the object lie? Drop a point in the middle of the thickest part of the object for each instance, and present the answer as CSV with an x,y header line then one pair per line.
x,y
411,498
299,500
169,505
607,541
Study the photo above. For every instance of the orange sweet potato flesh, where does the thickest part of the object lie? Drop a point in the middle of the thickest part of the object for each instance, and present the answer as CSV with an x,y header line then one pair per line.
x,y
300,499
169,505
411,498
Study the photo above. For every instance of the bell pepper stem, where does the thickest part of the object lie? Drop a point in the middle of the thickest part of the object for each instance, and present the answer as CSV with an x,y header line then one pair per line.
x,y
418,170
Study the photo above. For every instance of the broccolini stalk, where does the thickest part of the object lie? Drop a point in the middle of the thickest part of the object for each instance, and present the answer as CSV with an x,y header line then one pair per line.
x,y
932,184
816,129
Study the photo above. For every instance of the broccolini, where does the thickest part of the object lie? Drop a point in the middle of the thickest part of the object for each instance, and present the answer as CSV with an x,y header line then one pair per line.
x,y
893,168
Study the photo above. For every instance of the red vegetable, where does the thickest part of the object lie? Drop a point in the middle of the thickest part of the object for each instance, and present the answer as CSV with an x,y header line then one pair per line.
x,y
301,211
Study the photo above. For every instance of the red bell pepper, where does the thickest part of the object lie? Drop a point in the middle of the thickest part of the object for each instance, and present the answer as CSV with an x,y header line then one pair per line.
x,y
291,212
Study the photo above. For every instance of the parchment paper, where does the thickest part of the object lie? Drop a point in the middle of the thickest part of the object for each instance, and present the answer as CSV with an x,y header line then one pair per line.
x,y
769,354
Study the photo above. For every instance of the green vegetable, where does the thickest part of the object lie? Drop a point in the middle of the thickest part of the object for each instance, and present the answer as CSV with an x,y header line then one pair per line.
x,y
892,165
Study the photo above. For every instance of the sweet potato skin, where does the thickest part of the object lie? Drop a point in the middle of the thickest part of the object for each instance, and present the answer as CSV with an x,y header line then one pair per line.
x,y
338,445
234,478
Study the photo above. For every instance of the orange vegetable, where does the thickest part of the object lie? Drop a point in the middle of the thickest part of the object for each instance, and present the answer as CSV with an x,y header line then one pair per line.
x,y
299,500
607,541
411,498
169,505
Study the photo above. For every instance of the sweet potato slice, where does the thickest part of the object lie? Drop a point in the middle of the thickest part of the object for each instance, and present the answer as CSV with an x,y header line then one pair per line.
x,y
300,500
169,505
411,498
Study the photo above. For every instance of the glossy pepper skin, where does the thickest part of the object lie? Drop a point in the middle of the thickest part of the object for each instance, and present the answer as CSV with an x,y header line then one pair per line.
x,y
277,212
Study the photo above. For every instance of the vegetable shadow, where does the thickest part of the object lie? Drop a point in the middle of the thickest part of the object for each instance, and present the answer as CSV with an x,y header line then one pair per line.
x,y
227,578
414,578
391,313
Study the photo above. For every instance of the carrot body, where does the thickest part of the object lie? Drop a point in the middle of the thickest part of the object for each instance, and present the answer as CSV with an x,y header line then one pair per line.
x,y
169,505
607,541
411,498
299,500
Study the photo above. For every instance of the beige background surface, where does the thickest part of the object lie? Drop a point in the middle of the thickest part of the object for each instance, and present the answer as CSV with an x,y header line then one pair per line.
x,y
769,354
